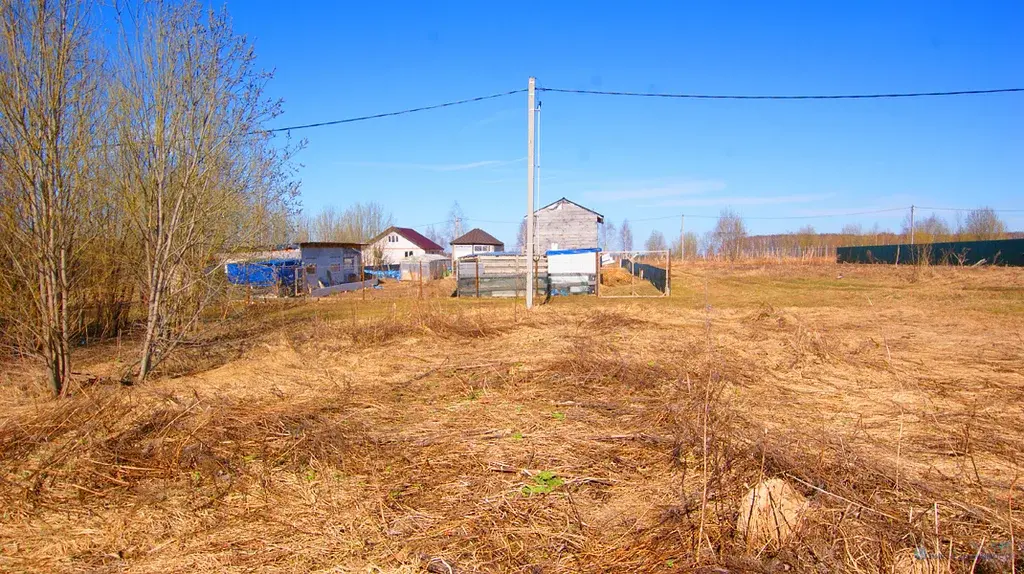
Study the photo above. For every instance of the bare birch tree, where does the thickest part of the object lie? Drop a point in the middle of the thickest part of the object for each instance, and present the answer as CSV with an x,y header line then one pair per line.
x,y
195,164
49,86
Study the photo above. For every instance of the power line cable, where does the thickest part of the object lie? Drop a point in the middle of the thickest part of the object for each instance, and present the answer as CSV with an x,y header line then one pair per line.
x,y
785,97
489,220
428,224
847,214
968,209
397,113
648,95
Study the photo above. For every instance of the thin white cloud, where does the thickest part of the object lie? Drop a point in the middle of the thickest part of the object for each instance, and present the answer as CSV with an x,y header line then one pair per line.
x,y
648,191
496,116
742,200
438,167
877,211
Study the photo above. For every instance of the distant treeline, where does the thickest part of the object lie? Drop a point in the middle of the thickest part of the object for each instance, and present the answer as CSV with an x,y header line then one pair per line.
x,y
729,238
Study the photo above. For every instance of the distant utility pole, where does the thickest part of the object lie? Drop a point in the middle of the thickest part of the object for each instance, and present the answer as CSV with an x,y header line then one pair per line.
x,y
530,119
458,227
911,224
682,237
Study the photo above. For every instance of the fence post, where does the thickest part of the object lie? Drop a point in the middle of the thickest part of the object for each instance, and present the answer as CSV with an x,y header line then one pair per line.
x,y
597,274
362,280
632,275
668,276
536,275
478,276
421,279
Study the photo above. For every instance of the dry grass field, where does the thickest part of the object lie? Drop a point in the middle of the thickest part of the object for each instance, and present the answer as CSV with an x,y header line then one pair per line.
x,y
398,434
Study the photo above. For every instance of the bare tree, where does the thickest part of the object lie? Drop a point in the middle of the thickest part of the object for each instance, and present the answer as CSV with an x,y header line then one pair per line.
x,y
360,222
194,160
727,238
436,236
927,229
521,237
301,228
49,96
455,223
626,236
364,221
691,245
983,224
656,242
608,236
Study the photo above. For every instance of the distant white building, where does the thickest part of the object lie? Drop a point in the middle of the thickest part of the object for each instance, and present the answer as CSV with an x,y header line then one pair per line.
x,y
475,241
397,243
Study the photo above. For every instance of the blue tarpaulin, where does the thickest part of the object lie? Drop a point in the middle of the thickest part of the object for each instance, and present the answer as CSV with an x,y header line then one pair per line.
x,y
387,273
573,251
263,273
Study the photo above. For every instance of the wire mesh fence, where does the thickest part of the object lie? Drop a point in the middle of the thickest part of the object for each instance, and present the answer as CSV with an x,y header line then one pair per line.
x,y
635,274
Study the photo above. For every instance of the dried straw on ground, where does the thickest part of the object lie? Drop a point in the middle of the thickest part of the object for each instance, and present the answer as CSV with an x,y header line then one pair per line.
x,y
405,435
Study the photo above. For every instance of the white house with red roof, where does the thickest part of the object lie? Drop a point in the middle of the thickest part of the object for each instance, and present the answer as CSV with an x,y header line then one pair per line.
x,y
397,243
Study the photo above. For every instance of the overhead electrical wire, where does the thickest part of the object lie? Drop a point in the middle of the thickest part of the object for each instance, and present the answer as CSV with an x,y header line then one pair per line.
x,y
785,97
967,209
648,95
845,214
397,113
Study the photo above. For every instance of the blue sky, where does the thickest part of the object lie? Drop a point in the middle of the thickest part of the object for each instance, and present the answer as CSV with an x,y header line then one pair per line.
x,y
643,158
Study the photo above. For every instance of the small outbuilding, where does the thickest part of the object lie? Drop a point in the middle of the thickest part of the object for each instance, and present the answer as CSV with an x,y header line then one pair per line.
x,y
565,224
299,268
426,267
329,263
573,271
475,241
499,274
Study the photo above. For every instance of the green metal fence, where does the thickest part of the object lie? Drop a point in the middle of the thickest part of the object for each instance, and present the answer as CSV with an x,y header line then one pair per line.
x,y
993,252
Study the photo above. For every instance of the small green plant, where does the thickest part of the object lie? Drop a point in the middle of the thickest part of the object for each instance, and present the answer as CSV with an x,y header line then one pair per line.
x,y
544,482
474,394
310,475
558,416
517,436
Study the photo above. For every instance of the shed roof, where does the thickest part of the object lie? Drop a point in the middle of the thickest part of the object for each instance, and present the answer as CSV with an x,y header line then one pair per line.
x,y
328,244
600,218
417,238
476,236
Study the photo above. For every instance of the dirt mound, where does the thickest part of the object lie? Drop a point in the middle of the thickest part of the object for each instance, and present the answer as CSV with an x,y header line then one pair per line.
x,y
770,514
614,276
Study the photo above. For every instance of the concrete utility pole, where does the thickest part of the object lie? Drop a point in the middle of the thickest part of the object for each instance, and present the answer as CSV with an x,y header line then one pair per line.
x,y
537,166
530,157
911,224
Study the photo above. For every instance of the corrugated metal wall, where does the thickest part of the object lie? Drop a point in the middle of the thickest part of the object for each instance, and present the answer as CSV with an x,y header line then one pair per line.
x,y
994,252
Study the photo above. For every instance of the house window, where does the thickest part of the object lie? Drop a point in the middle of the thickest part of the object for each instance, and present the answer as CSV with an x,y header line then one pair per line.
x,y
350,261
311,269
335,268
479,248
408,253
392,239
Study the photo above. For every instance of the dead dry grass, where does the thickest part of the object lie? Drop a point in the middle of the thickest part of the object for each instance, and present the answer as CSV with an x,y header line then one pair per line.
x,y
395,434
